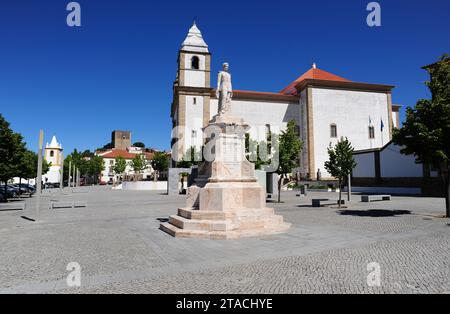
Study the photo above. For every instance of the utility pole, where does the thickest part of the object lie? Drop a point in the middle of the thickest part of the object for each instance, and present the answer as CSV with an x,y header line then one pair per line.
x,y
349,188
70,171
39,174
61,180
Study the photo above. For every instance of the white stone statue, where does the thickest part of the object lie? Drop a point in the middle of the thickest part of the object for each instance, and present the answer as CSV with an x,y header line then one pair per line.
x,y
224,90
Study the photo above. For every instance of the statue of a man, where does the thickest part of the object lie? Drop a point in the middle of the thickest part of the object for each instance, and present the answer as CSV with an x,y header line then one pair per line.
x,y
224,90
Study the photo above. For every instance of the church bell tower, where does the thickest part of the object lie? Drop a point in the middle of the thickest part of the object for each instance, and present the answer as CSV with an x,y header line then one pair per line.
x,y
191,93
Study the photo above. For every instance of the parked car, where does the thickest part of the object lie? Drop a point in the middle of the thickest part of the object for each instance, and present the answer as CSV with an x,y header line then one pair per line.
x,y
9,192
3,197
25,188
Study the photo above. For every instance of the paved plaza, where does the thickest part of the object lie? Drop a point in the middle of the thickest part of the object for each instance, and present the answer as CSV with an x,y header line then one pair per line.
x,y
120,249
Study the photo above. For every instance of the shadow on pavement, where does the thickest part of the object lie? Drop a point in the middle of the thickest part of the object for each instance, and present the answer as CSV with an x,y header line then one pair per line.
x,y
374,213
27,218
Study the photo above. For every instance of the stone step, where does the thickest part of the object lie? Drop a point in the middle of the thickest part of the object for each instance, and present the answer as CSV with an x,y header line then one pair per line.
x,y
203,224
246,223
191,213
222,235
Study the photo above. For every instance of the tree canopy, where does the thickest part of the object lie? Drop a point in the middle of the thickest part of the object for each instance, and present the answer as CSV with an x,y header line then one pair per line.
x,y
426,130
340,161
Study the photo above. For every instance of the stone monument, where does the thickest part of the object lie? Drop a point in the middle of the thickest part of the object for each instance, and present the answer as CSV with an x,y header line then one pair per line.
x,y
226,200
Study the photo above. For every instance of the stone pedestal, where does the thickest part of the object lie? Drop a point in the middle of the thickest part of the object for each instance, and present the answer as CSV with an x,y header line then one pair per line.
x,y
226,200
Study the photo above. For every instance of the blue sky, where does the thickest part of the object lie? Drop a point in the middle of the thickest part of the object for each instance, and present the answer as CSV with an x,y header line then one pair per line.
x,y
116,70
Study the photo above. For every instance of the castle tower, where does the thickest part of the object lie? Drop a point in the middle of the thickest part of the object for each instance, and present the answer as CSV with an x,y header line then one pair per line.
x,y
191,93
53,154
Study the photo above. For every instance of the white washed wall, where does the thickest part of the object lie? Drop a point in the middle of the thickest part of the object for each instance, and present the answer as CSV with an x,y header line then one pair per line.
x,y
394,164
366,165
350,111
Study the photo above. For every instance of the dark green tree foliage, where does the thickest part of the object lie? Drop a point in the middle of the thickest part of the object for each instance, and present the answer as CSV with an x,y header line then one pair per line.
x,y
139,144
289,148
120,165
257,153
12,149
341,162
426,130
139,164
160,162
192,157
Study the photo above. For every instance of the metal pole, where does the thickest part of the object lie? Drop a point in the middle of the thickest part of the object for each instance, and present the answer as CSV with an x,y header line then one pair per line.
x,y
61,179
349,189
39,174
70,171
74,175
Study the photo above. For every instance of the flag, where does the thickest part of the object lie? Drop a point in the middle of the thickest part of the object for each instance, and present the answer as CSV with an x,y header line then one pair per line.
x,y
382,125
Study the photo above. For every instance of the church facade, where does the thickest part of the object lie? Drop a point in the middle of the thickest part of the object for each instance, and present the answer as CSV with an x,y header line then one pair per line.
x,y
325,107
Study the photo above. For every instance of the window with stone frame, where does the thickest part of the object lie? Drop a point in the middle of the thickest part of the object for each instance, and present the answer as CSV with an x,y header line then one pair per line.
x,y
195,100
333,131
52,153
371,132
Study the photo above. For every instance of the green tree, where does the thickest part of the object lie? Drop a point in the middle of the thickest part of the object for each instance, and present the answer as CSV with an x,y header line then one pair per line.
x,y
340,162
426,130
254,152
120,165
12,150
139,144
94,166
192,157
288,152
138,163
160,162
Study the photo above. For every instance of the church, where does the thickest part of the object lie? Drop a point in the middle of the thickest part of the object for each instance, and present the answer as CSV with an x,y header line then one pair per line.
x,y
325,107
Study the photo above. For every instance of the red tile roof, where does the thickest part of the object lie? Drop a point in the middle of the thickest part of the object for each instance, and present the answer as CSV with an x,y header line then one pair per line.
x,y
123,153
312,74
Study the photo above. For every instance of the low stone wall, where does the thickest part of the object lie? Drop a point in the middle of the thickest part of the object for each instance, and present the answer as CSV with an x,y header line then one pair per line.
x,y
145,186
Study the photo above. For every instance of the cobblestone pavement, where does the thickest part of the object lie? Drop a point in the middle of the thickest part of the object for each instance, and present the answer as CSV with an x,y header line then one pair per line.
x,y
120,249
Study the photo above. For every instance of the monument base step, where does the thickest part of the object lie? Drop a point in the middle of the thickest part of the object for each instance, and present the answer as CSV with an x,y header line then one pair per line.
x,y
245,222
222,235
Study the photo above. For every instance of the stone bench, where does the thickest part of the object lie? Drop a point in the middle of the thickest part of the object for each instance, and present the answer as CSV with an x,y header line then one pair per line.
x,y
6,207
54,205
316,202
371,198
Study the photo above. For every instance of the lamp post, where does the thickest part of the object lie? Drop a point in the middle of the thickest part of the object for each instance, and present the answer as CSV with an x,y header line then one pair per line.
x,y
39,174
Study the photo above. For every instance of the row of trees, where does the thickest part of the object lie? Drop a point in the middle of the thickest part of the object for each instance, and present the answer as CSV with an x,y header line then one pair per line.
x,y
89,165
139,163
15,159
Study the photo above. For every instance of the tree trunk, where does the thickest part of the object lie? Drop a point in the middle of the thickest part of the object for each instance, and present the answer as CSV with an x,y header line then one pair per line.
x,y
340,193
445,176
447,194
20,186
280,180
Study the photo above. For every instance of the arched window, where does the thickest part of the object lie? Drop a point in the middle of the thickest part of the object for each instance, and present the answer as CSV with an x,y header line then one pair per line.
x,y
195,63
333,130
52,153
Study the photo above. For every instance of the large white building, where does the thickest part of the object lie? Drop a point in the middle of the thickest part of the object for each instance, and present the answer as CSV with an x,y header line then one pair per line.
x,y
325,107
53,154
109,158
